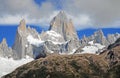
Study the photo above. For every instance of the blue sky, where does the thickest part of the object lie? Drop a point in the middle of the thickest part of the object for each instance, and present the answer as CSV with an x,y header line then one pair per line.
x,y
87,15
39,1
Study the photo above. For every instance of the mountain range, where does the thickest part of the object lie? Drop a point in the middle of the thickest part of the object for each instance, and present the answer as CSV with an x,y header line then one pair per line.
x,y
104,65
61,38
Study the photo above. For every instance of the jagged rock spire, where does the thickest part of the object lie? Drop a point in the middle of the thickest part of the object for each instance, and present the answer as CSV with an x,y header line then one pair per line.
x,y
5,51
64,26
58,22
99,32
22,25
20,40
4,42
19,47
62,16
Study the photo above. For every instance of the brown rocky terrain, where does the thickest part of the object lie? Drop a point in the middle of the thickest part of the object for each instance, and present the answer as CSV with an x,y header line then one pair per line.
x,y
105,65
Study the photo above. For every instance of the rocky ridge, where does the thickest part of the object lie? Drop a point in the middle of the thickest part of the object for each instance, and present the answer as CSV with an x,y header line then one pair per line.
x,y
99,37
5,51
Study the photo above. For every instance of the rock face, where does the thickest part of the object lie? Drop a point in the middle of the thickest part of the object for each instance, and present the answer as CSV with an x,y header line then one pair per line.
x,y
61,35
117,43
84,41
21,47
57,24
20,41
60,38
5,51
98,37
105,65
64,26
112,37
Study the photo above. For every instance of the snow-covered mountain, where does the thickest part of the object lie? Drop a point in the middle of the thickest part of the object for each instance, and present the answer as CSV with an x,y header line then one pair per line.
x,y
61,38
99,37
96,43
92,48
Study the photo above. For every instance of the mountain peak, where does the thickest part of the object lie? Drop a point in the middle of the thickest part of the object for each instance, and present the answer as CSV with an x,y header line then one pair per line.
x,y
62,16
4,41
64,26
62,13
99,32
58,22
22,21
22,25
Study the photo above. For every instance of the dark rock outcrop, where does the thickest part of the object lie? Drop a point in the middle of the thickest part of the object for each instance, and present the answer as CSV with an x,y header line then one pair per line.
x,y
117,43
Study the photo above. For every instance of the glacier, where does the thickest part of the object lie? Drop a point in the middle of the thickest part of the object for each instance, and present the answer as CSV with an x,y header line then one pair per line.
x,y
92,48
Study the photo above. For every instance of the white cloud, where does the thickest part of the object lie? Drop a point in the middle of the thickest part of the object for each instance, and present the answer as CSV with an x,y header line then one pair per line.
x,y
84,13
102,12
15,19
80,20
10,19
12,10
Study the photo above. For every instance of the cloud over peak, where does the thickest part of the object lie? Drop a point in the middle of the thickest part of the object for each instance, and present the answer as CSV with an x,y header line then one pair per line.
x,y
84,13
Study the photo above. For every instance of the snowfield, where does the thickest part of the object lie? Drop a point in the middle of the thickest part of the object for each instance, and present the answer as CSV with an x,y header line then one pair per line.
x,y
53,33
92,48
54,36
34,41
7,65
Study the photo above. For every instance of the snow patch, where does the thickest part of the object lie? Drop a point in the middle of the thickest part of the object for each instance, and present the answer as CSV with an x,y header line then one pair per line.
x,y
7,65
91,42
26,45
33,41
56,42
73,51
53,33
92,48
53,36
